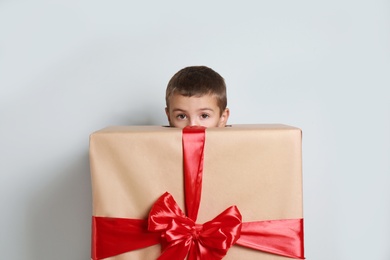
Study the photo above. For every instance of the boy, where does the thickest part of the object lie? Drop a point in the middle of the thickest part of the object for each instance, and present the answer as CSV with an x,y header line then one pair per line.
x,y
196,96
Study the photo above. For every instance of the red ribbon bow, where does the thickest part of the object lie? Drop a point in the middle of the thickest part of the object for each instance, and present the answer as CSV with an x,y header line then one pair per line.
x,y
182,237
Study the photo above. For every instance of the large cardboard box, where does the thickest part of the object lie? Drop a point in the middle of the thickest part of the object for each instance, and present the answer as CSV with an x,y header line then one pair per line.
x,y
255,167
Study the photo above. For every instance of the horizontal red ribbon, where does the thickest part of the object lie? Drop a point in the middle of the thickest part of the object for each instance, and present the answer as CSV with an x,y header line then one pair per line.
x,y
281,237
114,236
181,236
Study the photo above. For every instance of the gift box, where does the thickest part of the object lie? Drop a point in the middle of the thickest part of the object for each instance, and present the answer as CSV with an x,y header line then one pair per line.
x,y
256,168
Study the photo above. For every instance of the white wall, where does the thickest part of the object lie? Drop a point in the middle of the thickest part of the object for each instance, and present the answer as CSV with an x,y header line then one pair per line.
x,y
68,69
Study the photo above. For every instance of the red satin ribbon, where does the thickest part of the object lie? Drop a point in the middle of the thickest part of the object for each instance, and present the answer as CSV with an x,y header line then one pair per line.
x,y
281,237
180,236
115,236
193,147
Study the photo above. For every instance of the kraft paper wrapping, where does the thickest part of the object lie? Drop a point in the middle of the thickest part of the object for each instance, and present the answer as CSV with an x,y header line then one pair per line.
x,y
256,167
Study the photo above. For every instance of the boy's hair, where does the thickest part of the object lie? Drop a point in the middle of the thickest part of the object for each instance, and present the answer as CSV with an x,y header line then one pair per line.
x,y
198,81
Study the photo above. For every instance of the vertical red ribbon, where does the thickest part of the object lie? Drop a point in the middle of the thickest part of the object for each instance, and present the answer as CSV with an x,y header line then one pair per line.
x,y
193,151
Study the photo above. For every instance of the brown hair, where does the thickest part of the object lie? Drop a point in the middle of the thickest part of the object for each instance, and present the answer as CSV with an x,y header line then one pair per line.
x,y
198,81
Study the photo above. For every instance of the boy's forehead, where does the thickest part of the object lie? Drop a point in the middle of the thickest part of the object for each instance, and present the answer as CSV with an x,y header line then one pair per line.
x,y
177,97
204,101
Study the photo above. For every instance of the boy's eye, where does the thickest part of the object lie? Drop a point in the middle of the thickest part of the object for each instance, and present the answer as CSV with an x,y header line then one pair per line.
x,y
181,116
204,116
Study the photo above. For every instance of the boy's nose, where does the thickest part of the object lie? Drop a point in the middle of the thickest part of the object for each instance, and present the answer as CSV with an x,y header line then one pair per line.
x,y
194,122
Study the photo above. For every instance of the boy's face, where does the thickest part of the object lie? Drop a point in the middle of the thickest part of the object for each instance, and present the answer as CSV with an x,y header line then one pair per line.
x,y
195,111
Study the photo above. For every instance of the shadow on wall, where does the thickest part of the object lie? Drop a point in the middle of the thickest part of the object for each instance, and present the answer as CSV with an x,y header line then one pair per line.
x,y
59,214
59,224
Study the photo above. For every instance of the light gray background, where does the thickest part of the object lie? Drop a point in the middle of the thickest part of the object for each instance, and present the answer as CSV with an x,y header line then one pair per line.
x,y
68,69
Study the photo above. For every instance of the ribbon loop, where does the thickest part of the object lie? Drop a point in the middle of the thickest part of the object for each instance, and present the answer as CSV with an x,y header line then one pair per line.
x,y
182,237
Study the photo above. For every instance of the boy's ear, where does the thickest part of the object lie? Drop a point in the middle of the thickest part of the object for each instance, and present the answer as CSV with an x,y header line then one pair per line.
x,y
224,118
167,113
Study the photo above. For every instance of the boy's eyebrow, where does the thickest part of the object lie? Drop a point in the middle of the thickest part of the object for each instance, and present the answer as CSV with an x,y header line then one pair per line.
x,y
206,108
178,109
200,109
